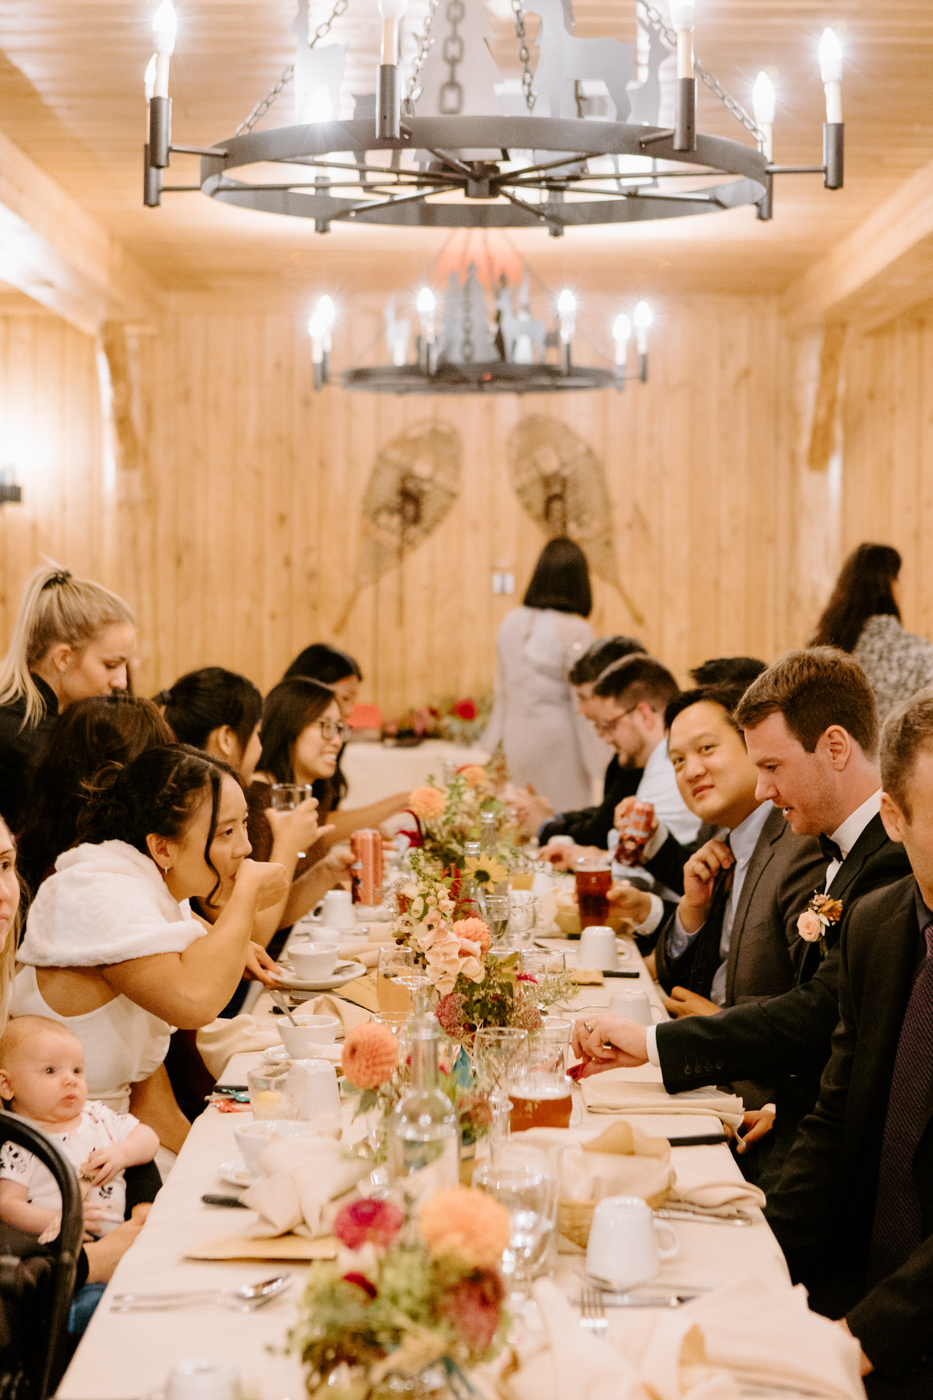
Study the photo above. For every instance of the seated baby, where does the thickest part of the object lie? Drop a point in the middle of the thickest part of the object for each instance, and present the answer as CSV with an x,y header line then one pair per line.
x,y
42,1080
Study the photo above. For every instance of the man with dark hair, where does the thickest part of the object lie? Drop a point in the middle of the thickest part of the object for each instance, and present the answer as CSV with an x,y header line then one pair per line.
x,y
728,670
830,790
588,826
854,1210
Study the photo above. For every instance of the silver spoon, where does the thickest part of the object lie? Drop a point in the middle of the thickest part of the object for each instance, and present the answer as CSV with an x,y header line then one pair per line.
x,y
279,1000
246,1299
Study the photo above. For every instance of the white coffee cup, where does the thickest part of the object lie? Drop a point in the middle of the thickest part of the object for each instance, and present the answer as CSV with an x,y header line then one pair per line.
x,y
312,962
633,1005
310,932
337,909
626,1243
253,1138
202,1380
300,1040
315,1082
598,949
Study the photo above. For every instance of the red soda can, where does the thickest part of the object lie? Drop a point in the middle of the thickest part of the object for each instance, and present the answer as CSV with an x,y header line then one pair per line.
x,y
366,870
634,832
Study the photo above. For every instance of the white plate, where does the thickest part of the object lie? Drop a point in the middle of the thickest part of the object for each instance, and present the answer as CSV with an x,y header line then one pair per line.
x,y
350,930
235,1173
278,1055
343,973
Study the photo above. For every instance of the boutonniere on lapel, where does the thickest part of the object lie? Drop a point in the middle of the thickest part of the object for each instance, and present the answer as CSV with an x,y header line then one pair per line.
x,y
820,914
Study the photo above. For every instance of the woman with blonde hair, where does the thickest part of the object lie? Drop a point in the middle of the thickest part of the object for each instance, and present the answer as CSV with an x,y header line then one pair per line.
x,y
72,639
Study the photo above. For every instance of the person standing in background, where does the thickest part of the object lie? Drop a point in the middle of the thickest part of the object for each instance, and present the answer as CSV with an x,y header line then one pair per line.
x,y
72,639
547,744
863,617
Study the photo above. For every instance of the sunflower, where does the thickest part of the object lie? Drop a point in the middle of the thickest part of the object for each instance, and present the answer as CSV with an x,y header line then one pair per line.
x,y
486,870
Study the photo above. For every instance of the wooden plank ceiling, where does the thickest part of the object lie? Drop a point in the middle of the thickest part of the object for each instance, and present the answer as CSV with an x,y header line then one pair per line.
x,y
71,97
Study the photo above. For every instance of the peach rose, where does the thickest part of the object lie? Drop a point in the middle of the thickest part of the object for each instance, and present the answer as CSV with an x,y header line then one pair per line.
x,y
370,1054
427,803
473,931
466,1223
473,775
810,926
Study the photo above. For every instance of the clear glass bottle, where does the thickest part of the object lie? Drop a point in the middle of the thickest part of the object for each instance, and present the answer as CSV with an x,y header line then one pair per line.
x,y
488,833
424,1134
469,886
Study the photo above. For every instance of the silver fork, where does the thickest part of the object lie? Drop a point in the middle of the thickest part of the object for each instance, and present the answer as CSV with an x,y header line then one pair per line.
x,y
592,1309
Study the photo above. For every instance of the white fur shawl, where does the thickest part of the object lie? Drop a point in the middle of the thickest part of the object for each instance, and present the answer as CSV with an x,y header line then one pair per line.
x,y
105,904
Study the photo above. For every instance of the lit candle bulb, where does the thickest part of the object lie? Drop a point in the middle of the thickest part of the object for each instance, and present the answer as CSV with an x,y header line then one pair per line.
x,y
642,319
683,15
763,104
621,333
566,314
391,11
326,313
164,30
150,77
317,331
831,73
426,306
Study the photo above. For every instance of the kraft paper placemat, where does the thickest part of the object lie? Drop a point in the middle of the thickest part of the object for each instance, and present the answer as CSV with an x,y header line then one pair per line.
x,y
284,1247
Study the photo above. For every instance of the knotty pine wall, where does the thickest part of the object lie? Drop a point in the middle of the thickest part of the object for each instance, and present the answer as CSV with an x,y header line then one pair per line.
x,y
231,518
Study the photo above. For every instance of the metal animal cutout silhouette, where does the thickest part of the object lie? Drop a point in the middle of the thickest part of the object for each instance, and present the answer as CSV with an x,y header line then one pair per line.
x,y
565,59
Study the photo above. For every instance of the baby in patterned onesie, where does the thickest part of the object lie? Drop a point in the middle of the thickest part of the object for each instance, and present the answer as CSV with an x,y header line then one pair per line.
x,y
42,1080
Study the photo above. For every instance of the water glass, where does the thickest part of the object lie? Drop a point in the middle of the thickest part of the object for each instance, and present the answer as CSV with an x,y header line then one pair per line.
x,y
548,969
271,1095
287,796
527,1192
522,915
496,910
499,1052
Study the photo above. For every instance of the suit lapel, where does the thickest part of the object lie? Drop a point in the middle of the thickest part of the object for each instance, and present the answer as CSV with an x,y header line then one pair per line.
x,y
870,840
761,856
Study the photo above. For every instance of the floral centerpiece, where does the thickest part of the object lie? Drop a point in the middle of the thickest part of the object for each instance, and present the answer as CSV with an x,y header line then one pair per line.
x,y
447,817
459,720
404,1296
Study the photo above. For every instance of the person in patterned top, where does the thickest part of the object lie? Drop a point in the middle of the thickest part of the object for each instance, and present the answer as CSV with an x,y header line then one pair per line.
x,y
42,1080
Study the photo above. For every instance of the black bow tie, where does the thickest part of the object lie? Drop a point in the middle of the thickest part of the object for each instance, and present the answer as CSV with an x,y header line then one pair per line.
x,y
829,848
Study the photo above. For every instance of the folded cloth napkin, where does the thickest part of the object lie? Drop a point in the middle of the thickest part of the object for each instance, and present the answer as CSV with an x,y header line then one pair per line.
x,y
619,1162
604,1093
223,1038
301,1176
725,1193
328,1005
746,1333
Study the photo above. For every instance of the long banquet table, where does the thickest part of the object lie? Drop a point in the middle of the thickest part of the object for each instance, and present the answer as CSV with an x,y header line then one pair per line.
x,y
125,1355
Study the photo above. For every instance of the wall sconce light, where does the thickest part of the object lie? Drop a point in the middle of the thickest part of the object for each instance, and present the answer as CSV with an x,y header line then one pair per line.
x,y
10,491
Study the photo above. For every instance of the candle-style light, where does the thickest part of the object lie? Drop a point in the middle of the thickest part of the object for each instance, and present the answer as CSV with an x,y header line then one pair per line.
x,y
149,78
426,304
833,129
164,32
319,329
683,16
566,322
763,105
642,318
388,84
621,335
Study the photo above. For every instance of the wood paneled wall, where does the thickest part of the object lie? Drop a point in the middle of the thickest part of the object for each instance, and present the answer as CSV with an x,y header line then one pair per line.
x,y
232,519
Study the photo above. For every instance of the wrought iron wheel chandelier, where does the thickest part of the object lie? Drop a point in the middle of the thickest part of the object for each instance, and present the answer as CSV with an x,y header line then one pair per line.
x,y
578,143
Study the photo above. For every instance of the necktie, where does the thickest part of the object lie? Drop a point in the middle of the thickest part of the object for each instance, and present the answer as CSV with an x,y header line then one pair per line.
x,y
829,848
898,1225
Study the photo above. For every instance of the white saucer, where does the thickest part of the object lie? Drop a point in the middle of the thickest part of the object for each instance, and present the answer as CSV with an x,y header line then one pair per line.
x,y
278,1055
344,972
235,1173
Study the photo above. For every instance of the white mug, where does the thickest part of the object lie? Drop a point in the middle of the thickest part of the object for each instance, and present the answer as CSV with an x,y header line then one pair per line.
x,y
598,949
305,932
300,1040
626,1242
312,962
315,1082
202,1380
634,1006
337,909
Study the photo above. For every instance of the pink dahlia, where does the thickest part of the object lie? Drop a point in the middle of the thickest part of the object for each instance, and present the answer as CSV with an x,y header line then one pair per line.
x,y
368,1222
474,1306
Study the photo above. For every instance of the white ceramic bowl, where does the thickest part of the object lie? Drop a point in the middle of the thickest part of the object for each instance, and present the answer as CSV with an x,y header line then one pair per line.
x,y
300,1040
313,963
251,1138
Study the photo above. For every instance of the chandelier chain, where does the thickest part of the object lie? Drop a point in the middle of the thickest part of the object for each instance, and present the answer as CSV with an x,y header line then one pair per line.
x,y
525,55
425,44
451,100
655,21
274,93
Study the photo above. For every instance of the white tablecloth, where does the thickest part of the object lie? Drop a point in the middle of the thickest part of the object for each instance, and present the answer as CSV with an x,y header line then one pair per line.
x,y
374,771
125,1355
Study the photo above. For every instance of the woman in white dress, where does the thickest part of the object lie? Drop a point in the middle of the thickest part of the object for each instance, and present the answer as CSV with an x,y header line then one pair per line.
x,y
111,947
548,746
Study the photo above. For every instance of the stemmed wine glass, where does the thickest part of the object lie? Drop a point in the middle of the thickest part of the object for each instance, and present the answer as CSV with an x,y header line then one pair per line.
x,y
399,967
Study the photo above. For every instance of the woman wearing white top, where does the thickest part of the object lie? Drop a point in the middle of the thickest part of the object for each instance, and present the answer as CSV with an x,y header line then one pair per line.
x,y
111,947
548,746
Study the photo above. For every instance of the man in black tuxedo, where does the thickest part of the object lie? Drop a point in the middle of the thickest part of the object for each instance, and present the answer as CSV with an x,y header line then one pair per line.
x,y
854,1209
811,728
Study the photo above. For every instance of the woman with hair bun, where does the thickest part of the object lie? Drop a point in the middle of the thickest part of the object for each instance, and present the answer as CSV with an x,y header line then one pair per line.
x,y
111,947
72,639
218,711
